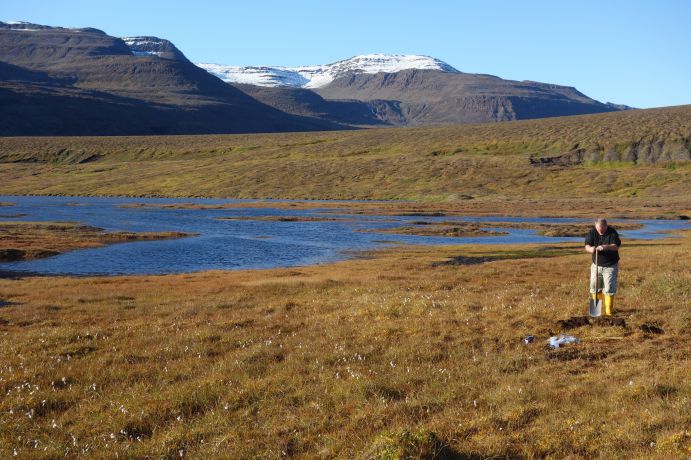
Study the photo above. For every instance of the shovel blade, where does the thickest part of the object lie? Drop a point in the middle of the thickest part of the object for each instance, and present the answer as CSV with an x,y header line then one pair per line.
x,y
595,308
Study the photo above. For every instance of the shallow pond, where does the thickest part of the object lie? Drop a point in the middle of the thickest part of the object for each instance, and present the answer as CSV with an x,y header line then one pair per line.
x,y
241,244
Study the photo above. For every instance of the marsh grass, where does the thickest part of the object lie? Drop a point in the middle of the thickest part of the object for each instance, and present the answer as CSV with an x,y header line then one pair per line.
x,y
460,228
391,355
21,240
428,164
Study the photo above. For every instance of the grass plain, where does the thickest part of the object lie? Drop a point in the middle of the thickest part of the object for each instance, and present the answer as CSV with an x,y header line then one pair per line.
x,y
637,155
408,352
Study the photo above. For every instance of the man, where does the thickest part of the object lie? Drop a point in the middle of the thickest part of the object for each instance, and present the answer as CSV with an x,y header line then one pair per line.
x,y
604,240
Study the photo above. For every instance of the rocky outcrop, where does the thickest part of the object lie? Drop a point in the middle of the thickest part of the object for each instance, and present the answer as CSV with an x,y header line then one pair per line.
x,y
645,151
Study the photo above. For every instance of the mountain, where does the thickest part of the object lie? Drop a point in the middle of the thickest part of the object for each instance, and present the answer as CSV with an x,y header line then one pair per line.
x,y
60,81
305,102
153,46
433,97
406,90
321,75
82,81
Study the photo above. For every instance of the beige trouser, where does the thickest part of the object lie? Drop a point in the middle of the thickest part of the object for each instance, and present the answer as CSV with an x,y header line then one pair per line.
x,y
607,279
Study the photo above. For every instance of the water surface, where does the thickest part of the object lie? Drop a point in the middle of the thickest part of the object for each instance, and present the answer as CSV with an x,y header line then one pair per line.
x,y
241,244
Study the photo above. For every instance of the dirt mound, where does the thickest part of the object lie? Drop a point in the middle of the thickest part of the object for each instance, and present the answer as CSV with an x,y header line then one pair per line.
x,y
580,321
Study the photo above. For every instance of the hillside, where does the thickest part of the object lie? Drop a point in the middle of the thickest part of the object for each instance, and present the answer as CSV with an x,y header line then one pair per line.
x,y
641,153
405,90
82,81
429,97
59,81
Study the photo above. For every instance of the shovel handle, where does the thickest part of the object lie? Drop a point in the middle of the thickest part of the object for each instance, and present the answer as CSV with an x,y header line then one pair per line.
x,y
596,274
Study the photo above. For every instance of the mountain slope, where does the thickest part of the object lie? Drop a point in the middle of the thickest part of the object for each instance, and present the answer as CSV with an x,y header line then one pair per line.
x,y
637,154
82,81
304,102
410,90
321,75
434,97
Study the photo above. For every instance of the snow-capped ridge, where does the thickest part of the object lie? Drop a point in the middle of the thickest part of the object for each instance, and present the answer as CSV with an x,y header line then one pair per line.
x,y
321,75
24,26
145,45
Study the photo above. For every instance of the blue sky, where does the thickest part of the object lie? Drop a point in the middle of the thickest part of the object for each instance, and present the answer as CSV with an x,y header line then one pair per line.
x,y
630,52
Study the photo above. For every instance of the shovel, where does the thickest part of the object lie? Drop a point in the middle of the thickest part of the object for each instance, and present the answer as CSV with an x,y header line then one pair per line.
x,y
595,304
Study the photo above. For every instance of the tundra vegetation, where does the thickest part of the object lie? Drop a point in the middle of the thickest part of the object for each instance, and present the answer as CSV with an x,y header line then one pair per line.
x,y
398,353
639,155
405,351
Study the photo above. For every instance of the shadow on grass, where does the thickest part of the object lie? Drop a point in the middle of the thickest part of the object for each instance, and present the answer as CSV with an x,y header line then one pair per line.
x,y
536,253
421,444
543,252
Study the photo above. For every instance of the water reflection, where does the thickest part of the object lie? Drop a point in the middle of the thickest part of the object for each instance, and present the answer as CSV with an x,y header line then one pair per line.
x,y
240,244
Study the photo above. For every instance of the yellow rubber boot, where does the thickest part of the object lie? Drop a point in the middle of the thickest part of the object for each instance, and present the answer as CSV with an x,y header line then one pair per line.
x,y
609,303
598,297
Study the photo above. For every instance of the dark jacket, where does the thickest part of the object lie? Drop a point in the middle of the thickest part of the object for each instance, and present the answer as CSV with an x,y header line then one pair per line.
x,y
604,258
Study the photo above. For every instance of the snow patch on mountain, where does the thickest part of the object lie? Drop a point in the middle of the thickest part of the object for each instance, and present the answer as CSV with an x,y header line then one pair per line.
x,y
321,75
24,26
260,76
144,46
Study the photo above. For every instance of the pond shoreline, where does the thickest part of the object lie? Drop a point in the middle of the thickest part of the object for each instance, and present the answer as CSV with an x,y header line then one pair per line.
x,y
228,237
23,240
616,207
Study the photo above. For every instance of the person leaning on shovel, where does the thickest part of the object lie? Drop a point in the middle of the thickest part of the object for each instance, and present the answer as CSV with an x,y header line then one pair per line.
x,y
602,241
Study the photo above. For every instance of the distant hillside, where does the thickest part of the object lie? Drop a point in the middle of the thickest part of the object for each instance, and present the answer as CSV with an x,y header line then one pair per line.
x,y
428,97
82,81
305,102
634,154
67,81
405,90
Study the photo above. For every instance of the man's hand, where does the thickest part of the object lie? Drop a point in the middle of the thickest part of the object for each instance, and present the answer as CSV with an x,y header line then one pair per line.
x,y
606,247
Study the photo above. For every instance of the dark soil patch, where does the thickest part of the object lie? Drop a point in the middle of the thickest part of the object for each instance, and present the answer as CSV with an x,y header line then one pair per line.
x,y
651,329
665,391
609,321
464,260
580,321
568,159
574,322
